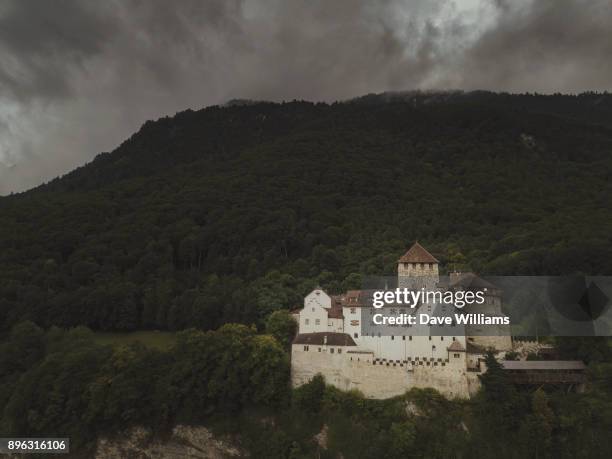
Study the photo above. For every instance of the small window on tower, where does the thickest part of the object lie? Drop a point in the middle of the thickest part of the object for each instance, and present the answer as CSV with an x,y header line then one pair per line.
x,y
356,335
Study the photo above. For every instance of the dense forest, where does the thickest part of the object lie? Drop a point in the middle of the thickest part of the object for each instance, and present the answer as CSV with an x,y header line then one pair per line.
x,y
235,381
217,221
228,213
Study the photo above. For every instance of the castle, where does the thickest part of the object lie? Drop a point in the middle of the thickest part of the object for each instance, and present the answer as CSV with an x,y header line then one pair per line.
x,y
329,339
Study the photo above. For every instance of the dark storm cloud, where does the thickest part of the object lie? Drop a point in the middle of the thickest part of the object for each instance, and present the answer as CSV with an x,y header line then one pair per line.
x,y
547,46
77,77
39,39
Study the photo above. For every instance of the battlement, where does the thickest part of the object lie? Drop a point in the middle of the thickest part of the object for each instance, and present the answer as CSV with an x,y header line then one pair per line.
x,y
348,368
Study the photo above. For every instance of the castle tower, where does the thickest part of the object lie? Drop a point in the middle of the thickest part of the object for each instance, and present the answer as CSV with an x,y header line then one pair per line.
x,y
417,268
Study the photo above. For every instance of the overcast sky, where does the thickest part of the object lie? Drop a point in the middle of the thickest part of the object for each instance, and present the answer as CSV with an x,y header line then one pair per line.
x,y
78,77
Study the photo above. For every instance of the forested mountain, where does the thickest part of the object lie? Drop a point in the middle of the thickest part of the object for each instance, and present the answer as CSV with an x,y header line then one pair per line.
x,y
231,214
228,213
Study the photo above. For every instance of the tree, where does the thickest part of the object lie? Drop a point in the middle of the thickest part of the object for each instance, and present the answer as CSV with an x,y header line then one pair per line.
x,y
536,430
282,326
498,407
309,397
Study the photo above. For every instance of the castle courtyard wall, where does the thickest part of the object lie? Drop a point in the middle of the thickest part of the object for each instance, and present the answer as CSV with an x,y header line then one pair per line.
x,y
349,370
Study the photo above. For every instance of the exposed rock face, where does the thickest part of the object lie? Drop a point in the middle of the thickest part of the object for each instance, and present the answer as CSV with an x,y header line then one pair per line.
x,y
185,442
322,437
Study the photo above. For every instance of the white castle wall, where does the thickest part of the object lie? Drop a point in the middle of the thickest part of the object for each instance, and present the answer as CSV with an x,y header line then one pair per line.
x,y
350,370
399,347
408,347
451,380
314,317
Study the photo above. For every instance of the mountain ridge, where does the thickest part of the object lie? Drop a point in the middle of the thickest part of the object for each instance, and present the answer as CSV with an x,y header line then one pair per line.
x,y
227,213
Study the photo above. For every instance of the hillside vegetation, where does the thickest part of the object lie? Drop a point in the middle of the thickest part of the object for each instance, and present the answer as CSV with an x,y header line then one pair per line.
x,y
231,214
228,213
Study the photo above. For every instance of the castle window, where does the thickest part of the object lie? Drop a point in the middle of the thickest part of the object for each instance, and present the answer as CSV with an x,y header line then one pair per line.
x,y
430,338
339,351
318,322
319,349
456,356
441,338
392,338
306,321
331,350
353,310
356,335
404,338
454,339
410,338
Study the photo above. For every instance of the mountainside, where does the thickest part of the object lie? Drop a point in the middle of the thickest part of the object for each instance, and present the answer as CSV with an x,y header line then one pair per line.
x,y
227,213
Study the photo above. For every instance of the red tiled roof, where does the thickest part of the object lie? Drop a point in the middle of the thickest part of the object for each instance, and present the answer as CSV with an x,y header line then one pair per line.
x,y
456,346
417,254
329,338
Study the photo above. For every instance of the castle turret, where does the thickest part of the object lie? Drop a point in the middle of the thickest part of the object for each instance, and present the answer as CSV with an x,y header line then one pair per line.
x,y
417,268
